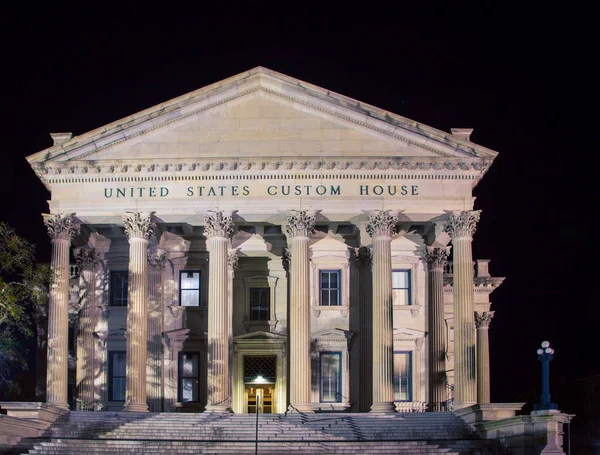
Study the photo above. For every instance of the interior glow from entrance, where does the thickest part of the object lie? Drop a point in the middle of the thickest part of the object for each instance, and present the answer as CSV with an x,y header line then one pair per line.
x,y
260,380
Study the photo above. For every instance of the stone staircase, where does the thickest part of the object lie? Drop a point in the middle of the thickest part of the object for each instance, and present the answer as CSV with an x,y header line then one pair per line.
x,y
178,433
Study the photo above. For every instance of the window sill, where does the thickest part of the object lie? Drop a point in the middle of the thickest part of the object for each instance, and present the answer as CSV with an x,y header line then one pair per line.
x,y
414,309
343,309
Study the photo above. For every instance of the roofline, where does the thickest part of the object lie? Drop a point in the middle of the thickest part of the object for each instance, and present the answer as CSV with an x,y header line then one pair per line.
x,y
266,77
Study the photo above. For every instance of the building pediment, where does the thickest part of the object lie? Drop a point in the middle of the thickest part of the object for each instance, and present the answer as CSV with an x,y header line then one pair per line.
x,y
259,120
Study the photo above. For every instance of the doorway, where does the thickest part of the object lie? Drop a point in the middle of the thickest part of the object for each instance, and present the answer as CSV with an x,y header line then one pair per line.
x,y
263,395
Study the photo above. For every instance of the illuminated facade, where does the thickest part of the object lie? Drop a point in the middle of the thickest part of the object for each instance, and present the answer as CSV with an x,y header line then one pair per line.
x,y
263,239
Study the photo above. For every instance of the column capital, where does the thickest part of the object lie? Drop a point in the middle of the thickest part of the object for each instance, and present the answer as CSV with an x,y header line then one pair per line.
x,y
138,225
462,224
363,256
232,259
382,223
218,224
484,319
157,257
61,227
86,259
300,223
437,257
286,259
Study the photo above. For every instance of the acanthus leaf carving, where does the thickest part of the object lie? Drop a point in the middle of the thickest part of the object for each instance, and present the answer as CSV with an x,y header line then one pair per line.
x,y
218,224
138,225
462,224
61,227
382,223
300,223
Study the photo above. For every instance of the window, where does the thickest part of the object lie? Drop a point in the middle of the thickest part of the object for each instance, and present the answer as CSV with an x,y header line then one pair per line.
x,y
402,376
189,288
117,365
401,287
329,285
188,376
260,301
118,288
331,377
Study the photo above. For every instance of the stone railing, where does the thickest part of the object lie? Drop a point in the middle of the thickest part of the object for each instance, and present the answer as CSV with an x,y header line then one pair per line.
x,y
74,271
410,406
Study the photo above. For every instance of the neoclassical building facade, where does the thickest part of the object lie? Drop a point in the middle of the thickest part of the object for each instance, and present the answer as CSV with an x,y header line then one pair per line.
x,y
265,242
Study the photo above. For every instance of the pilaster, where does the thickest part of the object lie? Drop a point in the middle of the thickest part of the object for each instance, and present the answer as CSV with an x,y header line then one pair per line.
x,y
87,260
436,259
300,226
461,227
381,226
482,323
138,229
218,230
156,264
61,229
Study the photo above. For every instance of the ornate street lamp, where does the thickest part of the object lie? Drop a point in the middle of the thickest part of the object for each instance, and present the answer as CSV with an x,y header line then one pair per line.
x,y
545,355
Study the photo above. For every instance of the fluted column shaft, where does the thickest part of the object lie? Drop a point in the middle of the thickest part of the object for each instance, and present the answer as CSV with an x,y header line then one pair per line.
x,y
218,230
482,322
300,227
364,260
381,227
138,229
436,260
461,227
87,261
61,230
156,262
232,263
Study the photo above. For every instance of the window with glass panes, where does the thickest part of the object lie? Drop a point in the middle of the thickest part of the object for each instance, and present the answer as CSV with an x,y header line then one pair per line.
x,y
117,365
118,288
189,288
260,301
401,287
331,377
329,286
189,377
402,376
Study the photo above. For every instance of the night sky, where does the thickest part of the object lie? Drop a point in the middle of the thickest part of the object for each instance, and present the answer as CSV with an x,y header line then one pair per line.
x,y
520,76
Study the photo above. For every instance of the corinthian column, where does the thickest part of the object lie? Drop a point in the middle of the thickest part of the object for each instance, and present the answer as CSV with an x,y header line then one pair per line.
x,y
300,225
61,230
436,260
138,228
218,230
381,227
461,227
482,322
87,260
156,265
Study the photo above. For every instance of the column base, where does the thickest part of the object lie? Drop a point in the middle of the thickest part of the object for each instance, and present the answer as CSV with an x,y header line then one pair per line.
x,y
464,404
383,408
59,405
135,407
303,408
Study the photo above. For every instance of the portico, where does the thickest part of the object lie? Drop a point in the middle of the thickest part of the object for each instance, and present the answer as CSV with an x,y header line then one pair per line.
x,y
270,227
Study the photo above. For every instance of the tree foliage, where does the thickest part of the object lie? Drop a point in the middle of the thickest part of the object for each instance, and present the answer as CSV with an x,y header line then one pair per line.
x,y
23,288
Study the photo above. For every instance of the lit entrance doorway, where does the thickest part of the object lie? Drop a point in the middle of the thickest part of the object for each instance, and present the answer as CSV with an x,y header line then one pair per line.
x,y
259,384
263,395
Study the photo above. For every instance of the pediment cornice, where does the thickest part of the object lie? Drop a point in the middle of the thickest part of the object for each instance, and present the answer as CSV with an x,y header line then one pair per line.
x,y
269,83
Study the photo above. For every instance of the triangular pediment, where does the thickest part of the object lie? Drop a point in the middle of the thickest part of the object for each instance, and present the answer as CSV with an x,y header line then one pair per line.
x,y
258,113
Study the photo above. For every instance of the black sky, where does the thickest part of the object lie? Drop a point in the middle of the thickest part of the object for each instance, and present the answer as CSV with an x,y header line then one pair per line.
x,y
521,76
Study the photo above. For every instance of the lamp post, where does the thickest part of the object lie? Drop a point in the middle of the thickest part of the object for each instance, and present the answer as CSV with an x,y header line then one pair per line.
x,y
545,354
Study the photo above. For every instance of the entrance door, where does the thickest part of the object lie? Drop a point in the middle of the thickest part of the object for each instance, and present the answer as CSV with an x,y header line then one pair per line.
x,y
263,395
